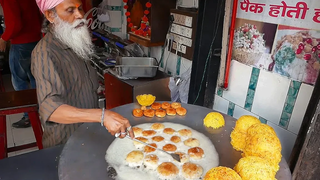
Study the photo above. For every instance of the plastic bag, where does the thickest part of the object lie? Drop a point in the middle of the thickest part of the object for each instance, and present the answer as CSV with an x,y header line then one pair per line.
x,y
179,87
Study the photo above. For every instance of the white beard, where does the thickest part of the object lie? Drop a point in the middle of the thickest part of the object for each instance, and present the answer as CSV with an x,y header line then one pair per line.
x,y
78,39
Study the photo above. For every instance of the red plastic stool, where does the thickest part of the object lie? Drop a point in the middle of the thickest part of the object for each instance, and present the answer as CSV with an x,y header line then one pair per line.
x,y
19,102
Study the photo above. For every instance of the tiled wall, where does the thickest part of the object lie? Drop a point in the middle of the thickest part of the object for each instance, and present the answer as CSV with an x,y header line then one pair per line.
x,y
274,99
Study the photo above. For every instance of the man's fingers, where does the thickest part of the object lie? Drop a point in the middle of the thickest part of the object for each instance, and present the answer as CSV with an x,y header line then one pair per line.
x,y
123,132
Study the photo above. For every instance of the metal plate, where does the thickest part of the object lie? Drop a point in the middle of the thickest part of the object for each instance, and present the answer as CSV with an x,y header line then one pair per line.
x,y
83,156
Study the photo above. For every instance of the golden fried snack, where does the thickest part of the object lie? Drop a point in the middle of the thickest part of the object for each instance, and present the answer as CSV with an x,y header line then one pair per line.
x,y
196,153
148,149
169,147
183,157
140,145
253,167
175,139
137,112
185,132
148,113
167,170
222,173
161,113
191,171
157,138
175,105
134,158
157,126
192,142
171,112
169,131
181,111
165,105
151,161
137,131
148,133
143,108
156,106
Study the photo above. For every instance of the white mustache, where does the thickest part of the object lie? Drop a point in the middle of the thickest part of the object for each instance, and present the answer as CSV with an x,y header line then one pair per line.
x,y
78,22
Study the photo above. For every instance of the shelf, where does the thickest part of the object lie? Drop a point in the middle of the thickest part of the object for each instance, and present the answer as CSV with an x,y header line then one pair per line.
x,y
143,41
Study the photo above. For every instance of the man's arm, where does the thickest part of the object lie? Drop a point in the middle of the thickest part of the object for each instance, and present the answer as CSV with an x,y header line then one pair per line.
x,y
52,107
114,122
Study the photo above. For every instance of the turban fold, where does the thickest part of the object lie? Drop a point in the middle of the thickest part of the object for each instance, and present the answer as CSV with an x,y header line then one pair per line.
x,y
47,4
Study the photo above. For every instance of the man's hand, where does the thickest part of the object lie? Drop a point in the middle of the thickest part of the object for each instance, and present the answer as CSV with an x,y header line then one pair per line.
x,y
115,123
3,45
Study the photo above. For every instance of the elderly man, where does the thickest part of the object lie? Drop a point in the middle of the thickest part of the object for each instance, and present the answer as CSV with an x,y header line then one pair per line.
x,y
66,83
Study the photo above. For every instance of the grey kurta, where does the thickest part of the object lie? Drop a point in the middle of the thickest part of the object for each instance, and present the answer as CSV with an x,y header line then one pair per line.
x,y
62,78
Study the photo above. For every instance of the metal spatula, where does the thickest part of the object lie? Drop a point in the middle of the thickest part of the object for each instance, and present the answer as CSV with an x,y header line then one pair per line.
x,y
174,156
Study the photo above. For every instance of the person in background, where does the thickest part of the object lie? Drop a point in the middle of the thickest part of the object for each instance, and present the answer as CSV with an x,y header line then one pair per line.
x,y
23,30
66,83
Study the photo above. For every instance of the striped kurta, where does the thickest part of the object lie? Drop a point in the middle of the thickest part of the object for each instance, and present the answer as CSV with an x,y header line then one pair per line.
x,y
62,78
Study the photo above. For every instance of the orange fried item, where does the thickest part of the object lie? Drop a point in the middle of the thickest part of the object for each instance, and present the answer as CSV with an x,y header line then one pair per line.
x,y
181,111
137,113
148,149
169,147
165,105
156,106
148,113
171,112
161,113
175,105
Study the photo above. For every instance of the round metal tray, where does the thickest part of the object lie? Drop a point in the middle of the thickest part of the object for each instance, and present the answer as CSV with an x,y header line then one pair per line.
x,y
83,156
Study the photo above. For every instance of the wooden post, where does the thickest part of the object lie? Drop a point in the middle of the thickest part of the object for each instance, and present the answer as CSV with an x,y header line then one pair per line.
x,y
308,164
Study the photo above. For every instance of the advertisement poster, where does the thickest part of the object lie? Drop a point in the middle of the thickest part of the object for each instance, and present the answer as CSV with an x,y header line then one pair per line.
x,y
279,36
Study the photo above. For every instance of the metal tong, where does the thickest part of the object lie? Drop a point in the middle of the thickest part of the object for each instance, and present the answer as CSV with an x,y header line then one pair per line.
x,y
174,156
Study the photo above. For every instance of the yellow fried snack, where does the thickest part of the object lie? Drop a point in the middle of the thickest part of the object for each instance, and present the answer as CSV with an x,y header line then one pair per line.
x,y
260,129
255,168
263,142
238,140
145,99
244,122
214,120
239,134
221,173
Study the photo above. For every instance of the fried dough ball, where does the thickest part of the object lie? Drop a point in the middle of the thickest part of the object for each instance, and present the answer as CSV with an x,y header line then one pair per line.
x,y
161,113
185,132
137,131
157,126
175,105
196,153
143,108
175,139
183,157
151,161
156,106
134,158
137,113
191,171
165,105
181,111
148,132
169,131
167,170
140,145
169,147
171,112
148,113
192,142
148,149
157,138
